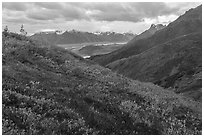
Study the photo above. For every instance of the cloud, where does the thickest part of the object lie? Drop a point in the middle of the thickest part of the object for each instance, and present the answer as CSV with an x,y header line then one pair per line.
x,y
49,5
132,12
44,14
15,6
70,12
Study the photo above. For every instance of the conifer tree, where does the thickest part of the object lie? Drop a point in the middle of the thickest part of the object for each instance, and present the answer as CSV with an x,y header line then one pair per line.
x,y
22,30
6,29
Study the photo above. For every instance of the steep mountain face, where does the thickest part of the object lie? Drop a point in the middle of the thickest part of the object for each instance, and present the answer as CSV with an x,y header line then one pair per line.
x,y
148,33
73,37
171,58
188,23
49,90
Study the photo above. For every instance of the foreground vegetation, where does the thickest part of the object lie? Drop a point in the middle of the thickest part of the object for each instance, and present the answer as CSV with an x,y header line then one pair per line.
x,y
48,90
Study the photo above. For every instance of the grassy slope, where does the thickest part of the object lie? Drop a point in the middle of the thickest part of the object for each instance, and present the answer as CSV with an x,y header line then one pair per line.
x,y
172,64
188,23
48,90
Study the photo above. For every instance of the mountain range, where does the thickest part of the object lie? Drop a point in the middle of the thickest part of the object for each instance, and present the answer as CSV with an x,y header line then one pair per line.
x,y
171,57
73,37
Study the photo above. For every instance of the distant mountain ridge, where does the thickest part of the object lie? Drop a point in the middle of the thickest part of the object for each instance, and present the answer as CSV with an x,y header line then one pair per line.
x,y
73,37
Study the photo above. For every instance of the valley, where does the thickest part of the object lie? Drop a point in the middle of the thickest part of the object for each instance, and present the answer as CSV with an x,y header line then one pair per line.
x,y
94,48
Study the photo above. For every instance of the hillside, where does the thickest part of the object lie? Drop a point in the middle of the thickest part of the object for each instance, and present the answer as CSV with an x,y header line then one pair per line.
x,y
188,23
175,64
73,37
49,90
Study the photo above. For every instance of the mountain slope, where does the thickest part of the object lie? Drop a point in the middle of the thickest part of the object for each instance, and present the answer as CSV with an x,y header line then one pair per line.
x,y
49,90
188,23
148,33
172,64
73,37
50,38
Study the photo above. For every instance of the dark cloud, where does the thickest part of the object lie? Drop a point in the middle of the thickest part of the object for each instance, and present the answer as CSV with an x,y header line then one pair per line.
x,y
70,12
49,5
41,16
44,14
17,20
153,9
117,16
15,6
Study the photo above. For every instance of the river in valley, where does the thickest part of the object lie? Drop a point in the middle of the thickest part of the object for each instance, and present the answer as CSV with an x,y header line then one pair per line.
x,y
94,48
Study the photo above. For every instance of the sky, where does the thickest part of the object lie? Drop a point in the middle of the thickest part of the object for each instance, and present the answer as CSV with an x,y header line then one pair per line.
x,y
89,16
